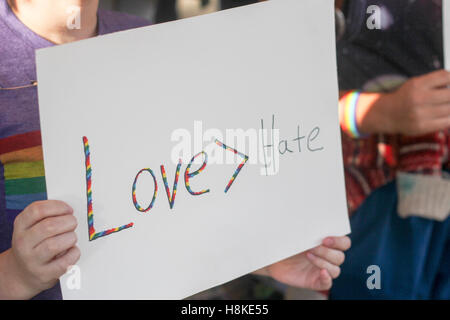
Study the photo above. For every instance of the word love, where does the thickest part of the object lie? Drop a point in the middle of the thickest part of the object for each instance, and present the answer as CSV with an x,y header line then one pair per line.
x,y
170,195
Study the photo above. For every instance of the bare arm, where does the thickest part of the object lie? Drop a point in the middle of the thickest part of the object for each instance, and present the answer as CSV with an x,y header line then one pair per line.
x,y
420,106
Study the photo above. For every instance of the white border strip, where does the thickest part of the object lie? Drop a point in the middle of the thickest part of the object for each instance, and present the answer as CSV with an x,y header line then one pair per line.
x,y
446,32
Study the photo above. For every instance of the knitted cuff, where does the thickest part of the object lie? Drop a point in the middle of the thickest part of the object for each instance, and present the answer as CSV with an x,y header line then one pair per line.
x,y
423,196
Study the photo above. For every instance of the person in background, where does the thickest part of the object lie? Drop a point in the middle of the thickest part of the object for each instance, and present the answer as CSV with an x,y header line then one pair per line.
x,y
395,118
37,238
228,4
167,9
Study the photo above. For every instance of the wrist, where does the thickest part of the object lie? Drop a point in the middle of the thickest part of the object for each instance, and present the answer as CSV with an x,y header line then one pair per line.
x,y
384,118
373,113
13,284
349,109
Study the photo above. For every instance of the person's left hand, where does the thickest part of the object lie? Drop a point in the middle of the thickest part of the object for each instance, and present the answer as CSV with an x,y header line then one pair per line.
x,y
314,269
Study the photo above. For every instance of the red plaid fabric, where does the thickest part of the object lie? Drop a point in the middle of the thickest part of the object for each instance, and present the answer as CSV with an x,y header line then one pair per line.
x,y
372,162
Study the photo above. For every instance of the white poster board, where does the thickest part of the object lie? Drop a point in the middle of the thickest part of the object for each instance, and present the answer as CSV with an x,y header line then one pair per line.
x,y
142,95
446,32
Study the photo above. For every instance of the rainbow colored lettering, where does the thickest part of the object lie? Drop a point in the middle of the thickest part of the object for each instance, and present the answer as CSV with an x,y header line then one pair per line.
x,y
90,213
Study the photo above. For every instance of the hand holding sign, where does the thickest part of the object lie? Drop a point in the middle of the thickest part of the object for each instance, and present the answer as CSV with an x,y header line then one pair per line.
x,y
420,106
313,269
43,247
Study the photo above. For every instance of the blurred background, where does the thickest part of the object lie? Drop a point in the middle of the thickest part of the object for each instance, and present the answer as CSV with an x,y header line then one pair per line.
x,y
157,11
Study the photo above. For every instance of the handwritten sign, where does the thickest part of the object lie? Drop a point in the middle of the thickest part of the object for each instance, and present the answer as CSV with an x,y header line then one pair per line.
x,y
197,151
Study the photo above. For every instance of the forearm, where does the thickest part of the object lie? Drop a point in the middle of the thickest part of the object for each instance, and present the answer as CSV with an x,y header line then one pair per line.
x,y
371,112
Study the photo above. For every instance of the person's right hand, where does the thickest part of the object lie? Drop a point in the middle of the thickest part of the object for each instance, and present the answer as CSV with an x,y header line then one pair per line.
x,y
43,247
420,106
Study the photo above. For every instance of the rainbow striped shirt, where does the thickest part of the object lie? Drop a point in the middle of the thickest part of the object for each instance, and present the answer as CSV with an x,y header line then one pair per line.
x,y
23,171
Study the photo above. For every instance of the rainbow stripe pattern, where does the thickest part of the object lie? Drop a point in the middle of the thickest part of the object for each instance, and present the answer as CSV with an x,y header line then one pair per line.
x,y
350,106
171,198
90,213
133,191
22,175
245,157
188,175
